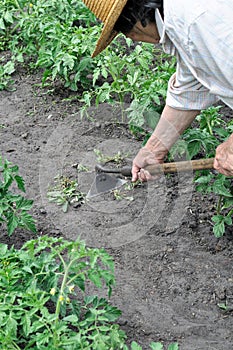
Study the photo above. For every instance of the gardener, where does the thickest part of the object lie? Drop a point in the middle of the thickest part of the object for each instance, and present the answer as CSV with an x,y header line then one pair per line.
x,y
200,34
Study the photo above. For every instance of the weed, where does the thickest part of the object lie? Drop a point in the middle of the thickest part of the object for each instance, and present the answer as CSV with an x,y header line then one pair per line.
x,y
117,158
126,191
65,192
13,207
82,168
119,195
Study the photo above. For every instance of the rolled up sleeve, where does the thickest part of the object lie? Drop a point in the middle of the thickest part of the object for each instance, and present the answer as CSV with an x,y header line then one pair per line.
x,y
186,93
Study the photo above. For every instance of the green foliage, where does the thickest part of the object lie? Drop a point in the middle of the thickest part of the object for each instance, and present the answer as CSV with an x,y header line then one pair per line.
x,y
65,192
39,285
215,130
43,299
204,138
46,32
141,76
59,36
13,207
201,140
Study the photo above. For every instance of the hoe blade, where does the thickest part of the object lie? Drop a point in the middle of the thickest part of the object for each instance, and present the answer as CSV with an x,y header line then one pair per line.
x,y
104,183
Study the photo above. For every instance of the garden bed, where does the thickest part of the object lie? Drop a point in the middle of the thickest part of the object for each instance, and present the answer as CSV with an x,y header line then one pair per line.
x,y
171,272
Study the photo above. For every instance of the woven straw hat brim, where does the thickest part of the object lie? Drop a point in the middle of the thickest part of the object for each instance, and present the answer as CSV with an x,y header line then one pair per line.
x,y
109,15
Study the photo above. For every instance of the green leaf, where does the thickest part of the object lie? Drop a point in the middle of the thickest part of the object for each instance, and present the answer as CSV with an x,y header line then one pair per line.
x,y
219,229
217,218
27,269
26,323
193,148
228,220
223,306
219,188
89,299
20,183
11,327
80,281
3,249
8,17
112,313
27,221
12,224
205,179
228,202
24,204
135,346
84,63
65,207
71,319
9,67
2,24
173,346
156,346
95,278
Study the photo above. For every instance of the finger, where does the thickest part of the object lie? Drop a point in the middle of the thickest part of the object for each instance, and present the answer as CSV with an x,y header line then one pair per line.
x,y
222,170
135,171
144,175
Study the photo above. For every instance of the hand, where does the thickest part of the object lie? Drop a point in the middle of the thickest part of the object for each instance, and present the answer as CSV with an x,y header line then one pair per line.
x,y
223,162
142,159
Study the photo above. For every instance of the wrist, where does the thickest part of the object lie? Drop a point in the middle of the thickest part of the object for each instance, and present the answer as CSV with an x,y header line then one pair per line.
x,y
155,146
156,153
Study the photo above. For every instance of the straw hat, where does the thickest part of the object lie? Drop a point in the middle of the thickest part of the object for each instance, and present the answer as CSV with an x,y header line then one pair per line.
x,y
108,12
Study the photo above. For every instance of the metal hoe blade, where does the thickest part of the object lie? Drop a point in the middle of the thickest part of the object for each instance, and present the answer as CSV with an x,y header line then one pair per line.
x,y
104,183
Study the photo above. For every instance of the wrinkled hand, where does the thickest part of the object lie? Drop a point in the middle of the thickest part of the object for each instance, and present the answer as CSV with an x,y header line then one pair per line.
x,y
223,162
143,159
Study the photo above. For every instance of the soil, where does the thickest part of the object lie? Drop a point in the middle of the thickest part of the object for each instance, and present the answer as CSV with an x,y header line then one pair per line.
x,y
171,271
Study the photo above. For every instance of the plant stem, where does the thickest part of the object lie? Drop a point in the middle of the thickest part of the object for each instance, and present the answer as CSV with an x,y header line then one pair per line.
x,y
15,345
58,306
209,127
219,204
18,6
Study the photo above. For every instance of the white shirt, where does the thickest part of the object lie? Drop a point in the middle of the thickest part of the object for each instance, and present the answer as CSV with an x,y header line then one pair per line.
x,y
200,34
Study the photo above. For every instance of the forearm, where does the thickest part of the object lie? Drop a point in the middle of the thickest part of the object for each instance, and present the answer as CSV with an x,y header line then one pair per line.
x,y
171,125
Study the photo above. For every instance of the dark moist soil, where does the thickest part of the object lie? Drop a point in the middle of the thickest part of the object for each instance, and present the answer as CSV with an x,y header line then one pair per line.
x,y
171,271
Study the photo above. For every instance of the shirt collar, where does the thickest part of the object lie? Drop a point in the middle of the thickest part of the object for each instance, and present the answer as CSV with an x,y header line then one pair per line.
x,y
160,25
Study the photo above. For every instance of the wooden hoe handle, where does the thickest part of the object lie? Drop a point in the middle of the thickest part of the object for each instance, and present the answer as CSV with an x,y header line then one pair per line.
x,y
187,165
